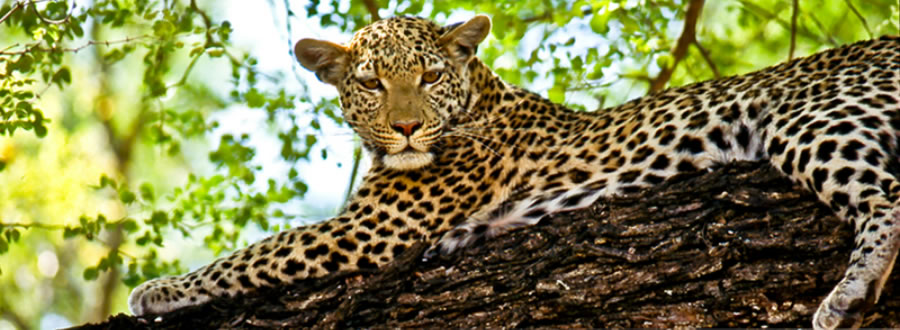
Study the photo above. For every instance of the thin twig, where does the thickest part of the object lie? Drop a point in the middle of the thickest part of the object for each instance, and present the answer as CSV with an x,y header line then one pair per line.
x,y
9,47
44,90
859,16
821,27
187,71
32,225
690,70
295,65
688,35
636,76
705,54
762,12
354,172
794,12
541,17
206,20
51,21
19,5
590,85
33,47
210,41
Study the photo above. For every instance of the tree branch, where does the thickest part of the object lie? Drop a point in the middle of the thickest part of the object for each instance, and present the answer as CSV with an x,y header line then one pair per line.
x,y
17,320
794,12
373,9
354,171
549,14
52,21
33,47
122,147
828,37
688,36
762,12
32,225
19,5
740,246
705,54
859,16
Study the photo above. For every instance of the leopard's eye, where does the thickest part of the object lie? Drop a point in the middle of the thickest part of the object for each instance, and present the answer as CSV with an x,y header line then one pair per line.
x,y
431,77
371,83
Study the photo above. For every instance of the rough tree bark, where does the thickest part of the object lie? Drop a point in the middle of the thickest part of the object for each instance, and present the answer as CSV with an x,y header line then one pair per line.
x,y
739,246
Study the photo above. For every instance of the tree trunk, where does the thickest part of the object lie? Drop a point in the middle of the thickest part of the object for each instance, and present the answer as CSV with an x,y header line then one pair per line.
x,y
739,246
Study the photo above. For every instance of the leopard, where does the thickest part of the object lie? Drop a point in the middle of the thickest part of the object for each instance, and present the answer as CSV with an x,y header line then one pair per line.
x,y
459,155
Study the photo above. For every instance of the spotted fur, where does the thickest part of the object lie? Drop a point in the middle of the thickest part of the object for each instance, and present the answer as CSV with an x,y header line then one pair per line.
x,y
459,154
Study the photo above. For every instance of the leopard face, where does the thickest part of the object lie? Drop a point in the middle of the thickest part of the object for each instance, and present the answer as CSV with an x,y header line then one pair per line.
x,y
400,102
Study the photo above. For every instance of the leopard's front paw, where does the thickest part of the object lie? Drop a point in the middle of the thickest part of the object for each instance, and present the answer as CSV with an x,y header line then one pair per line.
x,y
165,295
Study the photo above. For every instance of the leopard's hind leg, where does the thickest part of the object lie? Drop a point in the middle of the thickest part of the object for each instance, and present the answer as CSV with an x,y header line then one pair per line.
x,y
853,167
871,262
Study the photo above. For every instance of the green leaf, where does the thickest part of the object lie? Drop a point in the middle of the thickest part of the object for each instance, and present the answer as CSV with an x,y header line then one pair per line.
x,y
665,60
631,26
132,279
557,94
577,64
159,218
24,107
105,181
38,124
24,95
600,23
13,235
254,98
113,258
40,130
301,187
70,232
126,196
76,28
225,31
24,63
217,52
62,76
163,29
196,50
143,240
146,190
129,225
90,273
103,265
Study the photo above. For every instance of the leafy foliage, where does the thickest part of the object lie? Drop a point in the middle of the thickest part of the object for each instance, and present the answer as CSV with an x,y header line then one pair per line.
x,y
112,116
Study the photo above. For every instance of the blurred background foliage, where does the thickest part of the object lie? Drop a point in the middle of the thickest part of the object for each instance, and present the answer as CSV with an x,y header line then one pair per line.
x,y
127,144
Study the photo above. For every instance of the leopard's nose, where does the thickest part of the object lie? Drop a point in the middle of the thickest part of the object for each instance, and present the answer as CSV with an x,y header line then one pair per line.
x,y
406,127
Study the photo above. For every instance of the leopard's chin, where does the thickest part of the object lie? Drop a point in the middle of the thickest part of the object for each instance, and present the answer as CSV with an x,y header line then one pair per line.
x,y
407,160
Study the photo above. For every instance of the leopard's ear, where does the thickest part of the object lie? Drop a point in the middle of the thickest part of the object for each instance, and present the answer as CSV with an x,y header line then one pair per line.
x,y
463,39
328,60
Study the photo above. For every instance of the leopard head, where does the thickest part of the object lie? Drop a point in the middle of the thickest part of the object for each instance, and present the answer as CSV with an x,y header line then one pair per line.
x,y
401,81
